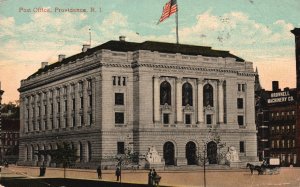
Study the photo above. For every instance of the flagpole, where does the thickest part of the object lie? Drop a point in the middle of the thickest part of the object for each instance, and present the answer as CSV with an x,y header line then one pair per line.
x,y
176,17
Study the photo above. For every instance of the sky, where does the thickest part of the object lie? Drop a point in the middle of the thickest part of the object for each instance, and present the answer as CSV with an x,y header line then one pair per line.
x,y
255,30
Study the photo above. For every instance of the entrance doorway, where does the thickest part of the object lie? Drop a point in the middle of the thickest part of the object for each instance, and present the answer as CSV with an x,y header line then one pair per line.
x,y
212,152
169,153
190,153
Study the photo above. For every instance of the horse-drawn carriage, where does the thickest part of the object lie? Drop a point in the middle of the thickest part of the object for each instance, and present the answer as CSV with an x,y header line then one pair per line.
x,y
270,166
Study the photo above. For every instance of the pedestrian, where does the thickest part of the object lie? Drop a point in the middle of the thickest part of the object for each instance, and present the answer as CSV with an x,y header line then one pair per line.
x,y
155,178
150,178
118,173
99,171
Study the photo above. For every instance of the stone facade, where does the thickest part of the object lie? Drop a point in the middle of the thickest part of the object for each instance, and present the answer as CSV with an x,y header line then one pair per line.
x,y
138,95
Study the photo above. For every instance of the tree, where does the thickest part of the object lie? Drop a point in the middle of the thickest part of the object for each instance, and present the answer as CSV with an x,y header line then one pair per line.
x,y
64,154
14,108
214,136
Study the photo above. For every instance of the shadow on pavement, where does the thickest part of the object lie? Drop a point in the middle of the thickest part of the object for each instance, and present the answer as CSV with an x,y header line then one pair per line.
x,y
60,182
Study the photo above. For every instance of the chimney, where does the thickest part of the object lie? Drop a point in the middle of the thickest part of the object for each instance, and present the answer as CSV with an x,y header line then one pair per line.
x,y
122,38
296,32
44,64
61,57
275,86
85,47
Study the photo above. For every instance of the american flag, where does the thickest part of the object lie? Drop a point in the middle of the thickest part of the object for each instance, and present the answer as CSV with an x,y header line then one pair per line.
x,y
169,8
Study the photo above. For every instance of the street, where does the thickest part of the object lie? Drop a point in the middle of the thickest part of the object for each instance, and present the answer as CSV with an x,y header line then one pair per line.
x,y
288,177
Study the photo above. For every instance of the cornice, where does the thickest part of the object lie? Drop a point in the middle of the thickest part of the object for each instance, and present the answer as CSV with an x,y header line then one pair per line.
x,y
56,77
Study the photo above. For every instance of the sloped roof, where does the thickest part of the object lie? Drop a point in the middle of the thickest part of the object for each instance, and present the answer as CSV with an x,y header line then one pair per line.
x,y
162,47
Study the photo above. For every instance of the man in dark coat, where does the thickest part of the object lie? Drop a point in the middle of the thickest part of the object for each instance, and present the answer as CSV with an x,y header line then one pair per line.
x,y
118,173
99,171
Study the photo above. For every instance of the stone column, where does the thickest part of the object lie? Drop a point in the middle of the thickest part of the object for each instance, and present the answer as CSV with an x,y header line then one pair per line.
x,y
156,99
179,100
48,127
200,101
221,101
85,102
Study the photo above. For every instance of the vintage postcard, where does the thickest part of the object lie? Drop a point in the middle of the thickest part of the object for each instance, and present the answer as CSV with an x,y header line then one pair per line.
x,y
148,93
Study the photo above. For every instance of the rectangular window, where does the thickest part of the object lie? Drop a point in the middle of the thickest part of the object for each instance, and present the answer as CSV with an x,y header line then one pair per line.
x,y
243,87
58,107
58,122
166,118
52,123
66,121
241,120
51,108
119,118
119,81
73,121
119,98
81,120
90,101
124,81
66,105
121,147
208,119
242,146
188,119
73,103
114,80
240,103
81,102
90,119
239,87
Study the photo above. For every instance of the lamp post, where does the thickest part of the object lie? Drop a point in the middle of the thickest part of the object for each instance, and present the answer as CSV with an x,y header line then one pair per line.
x,y
1,93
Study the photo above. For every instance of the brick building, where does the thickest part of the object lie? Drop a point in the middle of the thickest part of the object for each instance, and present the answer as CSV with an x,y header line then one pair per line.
x,y
296,32
276,123
140,94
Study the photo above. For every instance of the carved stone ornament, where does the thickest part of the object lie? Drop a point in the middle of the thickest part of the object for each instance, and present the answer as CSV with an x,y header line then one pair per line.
x,y
208,108
152,156
188,108
166,107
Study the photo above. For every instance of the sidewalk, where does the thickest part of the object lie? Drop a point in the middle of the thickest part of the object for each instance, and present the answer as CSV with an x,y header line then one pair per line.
x,y
288,177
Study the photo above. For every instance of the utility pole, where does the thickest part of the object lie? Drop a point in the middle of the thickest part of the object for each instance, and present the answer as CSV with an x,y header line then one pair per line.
x,y
204,163
1,93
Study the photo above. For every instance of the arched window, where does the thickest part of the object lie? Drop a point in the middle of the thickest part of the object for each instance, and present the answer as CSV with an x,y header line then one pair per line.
x,y
190,153
187,94
208,95
165,93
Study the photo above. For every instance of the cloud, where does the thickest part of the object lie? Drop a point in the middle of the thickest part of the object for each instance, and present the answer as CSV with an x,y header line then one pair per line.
x,y
45,36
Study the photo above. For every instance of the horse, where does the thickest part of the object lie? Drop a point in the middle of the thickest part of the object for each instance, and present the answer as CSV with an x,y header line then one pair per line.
x,y
257,168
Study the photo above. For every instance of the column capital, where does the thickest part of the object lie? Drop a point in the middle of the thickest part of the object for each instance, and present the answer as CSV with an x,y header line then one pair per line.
x,y
200,81
221,81
179,80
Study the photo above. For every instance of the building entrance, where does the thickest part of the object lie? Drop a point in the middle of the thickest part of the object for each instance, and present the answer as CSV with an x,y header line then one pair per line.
x,y
190,153
169,153
212,152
